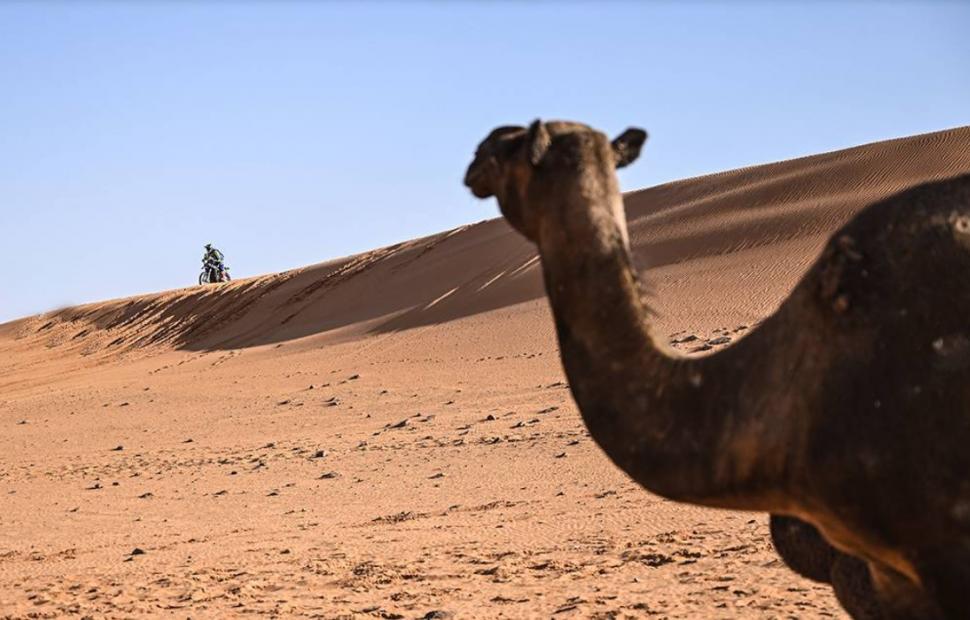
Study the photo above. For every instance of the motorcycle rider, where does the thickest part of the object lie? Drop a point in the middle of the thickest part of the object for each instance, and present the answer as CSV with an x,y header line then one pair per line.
x,y
214,258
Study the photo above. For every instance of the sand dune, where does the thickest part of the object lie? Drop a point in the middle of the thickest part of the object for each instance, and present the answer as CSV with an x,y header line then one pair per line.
x,y
389,434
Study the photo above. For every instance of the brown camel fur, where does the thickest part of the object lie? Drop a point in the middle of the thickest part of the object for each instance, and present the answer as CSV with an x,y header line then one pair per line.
x,y
846,414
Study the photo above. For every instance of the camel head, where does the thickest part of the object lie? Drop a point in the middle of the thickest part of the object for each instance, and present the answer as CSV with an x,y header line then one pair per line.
x,y
526,166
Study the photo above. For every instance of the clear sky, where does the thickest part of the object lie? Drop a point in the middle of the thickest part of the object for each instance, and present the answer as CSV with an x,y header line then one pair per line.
x,y
287,133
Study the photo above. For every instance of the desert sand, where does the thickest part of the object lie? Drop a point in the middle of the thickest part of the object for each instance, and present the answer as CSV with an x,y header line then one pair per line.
x,y
390,435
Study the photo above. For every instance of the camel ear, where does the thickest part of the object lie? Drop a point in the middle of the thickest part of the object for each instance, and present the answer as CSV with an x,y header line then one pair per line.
x,y
627,146
538,142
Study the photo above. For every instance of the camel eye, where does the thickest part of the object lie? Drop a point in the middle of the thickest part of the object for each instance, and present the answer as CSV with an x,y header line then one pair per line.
x,y
961,224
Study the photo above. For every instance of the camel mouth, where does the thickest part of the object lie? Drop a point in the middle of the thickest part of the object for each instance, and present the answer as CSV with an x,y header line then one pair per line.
x,y
476,182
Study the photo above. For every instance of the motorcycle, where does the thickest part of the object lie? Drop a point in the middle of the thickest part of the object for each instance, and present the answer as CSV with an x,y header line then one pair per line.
x,y
213,272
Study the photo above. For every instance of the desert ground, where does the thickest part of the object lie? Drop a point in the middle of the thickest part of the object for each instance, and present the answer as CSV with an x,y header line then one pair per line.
x,y
390,435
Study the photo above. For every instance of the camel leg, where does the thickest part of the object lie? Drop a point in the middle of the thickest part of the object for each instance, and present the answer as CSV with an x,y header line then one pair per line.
x,y
899,598
805,551
802,548
853,587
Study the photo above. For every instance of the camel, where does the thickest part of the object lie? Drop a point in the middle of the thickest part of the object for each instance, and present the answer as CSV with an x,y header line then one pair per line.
x,y
845,414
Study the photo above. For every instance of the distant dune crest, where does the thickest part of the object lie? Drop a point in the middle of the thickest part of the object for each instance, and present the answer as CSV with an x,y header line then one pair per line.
x,y
738,240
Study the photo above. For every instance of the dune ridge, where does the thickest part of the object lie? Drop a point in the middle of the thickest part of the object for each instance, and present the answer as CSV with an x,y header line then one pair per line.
x,y
484,266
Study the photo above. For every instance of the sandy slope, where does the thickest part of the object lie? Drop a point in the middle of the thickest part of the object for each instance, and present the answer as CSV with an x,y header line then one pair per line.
x,y
388,435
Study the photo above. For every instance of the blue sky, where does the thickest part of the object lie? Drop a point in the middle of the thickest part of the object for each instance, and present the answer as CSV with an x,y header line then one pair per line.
x,y
288,133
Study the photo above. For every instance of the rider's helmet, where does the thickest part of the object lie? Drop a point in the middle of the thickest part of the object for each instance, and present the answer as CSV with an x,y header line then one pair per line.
x,y
208,246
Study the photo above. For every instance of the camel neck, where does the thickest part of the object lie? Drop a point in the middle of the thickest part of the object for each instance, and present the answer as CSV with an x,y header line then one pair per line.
x,y
594,292
646,409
